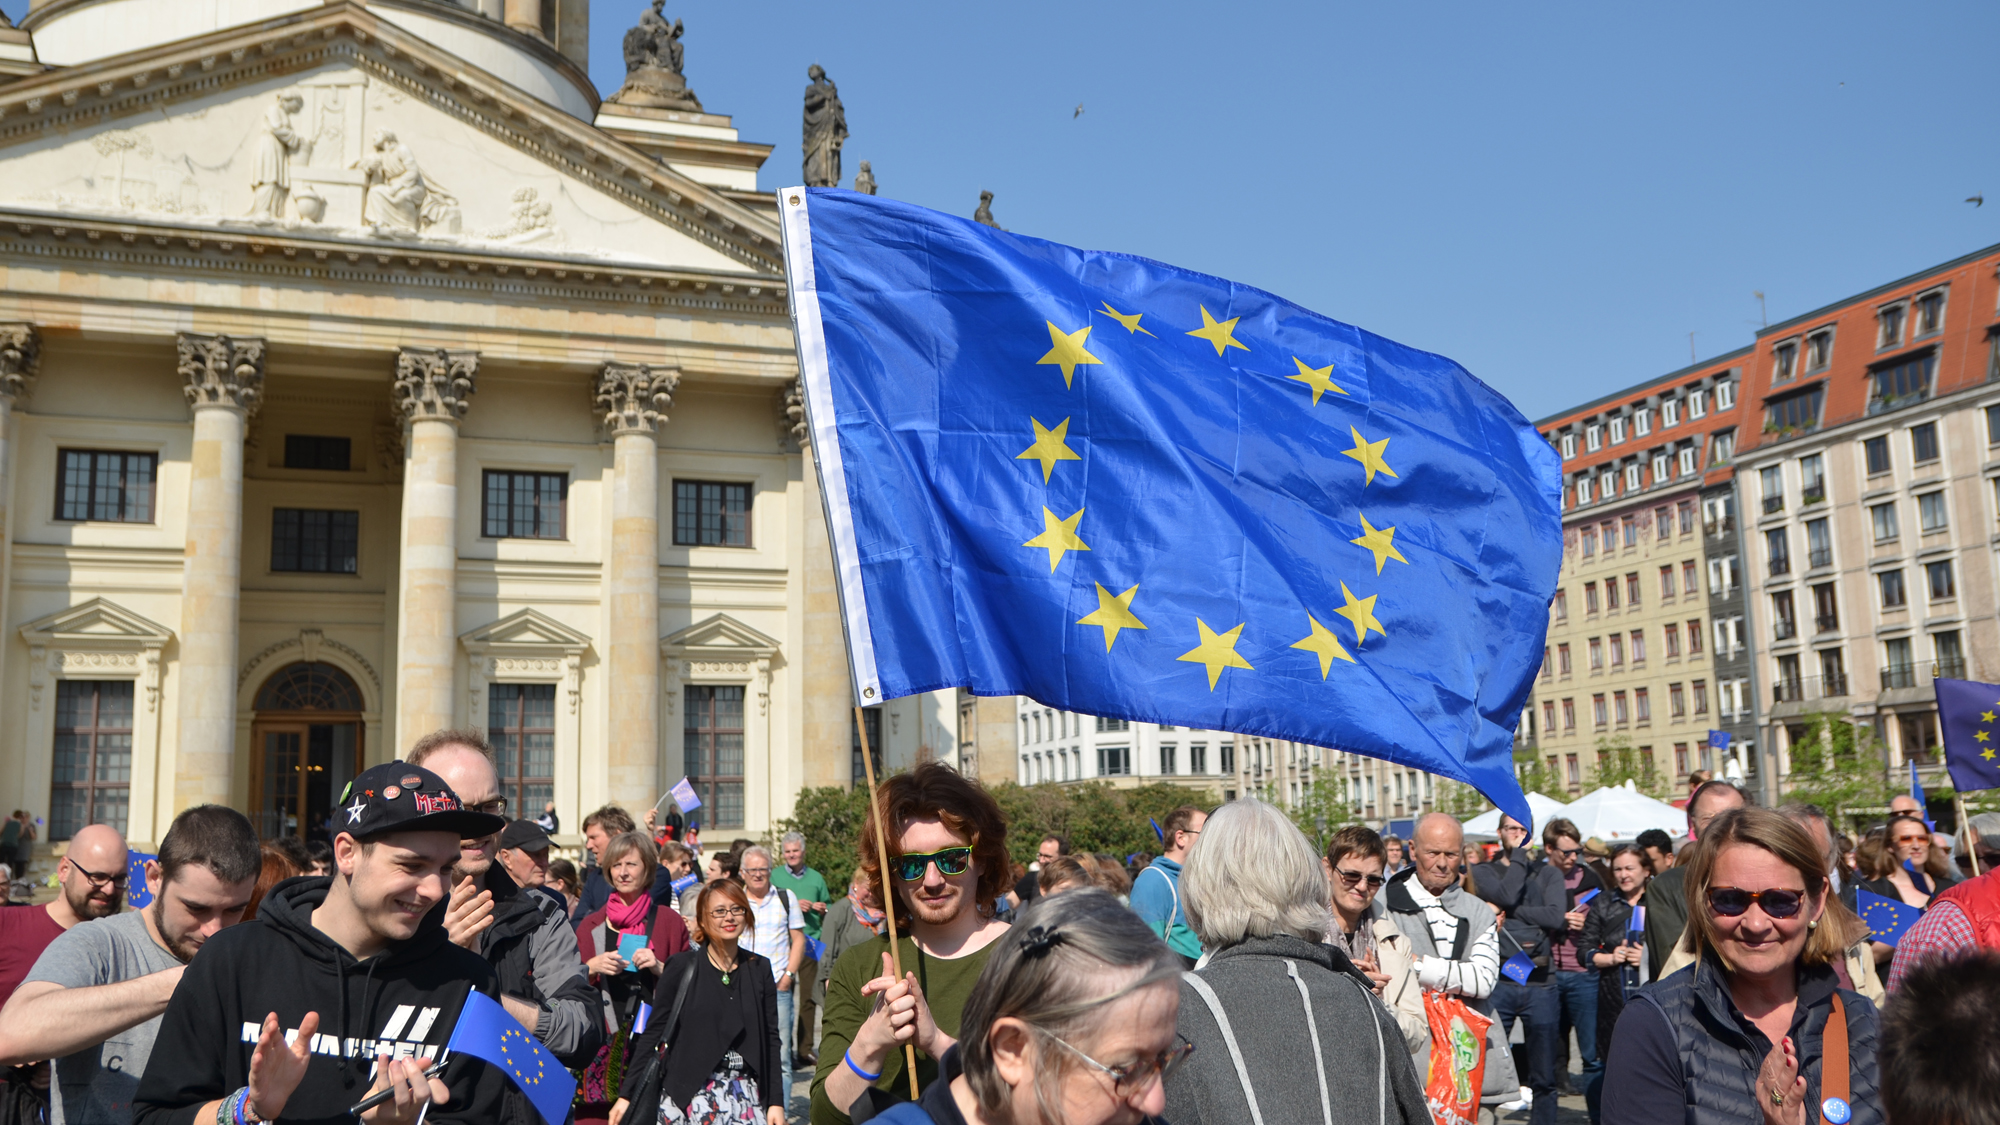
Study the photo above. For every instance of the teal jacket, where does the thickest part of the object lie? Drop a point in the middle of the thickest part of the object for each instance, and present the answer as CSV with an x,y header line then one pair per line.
x,y
1156,898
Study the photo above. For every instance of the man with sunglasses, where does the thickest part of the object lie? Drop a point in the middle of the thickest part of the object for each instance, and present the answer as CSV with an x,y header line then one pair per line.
x,y
1355,860
1156,894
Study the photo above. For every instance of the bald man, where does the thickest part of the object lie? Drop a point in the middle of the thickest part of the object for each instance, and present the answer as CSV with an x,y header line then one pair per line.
x,y
1666,901
1904,803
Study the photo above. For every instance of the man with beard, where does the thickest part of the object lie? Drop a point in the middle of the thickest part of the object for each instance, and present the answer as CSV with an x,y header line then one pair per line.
x,y
524,935
947,864
91,878
93,1000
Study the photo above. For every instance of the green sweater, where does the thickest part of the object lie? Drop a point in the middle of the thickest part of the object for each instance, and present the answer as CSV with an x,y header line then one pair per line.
x,y
946,985
808,887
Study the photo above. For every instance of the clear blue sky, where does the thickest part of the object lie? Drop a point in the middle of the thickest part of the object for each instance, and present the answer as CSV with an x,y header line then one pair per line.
x,y
1554,195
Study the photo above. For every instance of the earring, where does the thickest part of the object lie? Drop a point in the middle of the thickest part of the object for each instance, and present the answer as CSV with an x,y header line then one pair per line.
x,y
1813,925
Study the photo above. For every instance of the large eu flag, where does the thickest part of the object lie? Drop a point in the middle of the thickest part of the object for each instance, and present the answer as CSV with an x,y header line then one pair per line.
x,y
1969,718
1136,491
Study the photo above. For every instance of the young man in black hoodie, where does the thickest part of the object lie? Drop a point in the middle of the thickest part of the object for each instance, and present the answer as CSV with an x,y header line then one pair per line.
x,y
283,1019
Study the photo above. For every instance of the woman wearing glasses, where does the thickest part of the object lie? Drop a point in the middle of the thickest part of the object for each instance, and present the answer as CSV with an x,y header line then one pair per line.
x,y
1284,1029
1070,1023
722,1065
1355,861
1758,1028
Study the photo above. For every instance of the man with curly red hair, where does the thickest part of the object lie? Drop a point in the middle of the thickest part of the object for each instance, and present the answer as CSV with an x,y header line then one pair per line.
x,y
947,866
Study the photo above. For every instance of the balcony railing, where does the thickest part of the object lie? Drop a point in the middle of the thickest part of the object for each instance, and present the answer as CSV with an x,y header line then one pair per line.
x,y
1951,667
1788,691
1774,504
1781,565
1784,629
1827,622
1833,685
1899,676
1811,496
1882,404
1819,557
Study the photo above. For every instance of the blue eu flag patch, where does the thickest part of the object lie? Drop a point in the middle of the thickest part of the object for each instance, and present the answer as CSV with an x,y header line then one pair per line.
x,y
1141,492
486,1031
1969,719
1887,919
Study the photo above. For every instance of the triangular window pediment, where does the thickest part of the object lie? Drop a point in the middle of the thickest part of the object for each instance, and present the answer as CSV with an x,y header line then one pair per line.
x,y
97,623
526,629
719,635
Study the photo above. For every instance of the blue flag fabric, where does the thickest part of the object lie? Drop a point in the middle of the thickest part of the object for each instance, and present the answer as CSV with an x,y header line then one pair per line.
x,y
1719,740
1917,794
1135,491
1518,968
1887,919
138,896
486,1031
1969,719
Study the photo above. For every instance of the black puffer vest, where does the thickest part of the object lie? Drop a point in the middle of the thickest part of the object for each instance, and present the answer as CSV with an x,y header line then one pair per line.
x,y
1721,1051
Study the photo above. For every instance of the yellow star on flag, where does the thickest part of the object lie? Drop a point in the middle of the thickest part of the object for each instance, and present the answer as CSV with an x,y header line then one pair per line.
x,y
1217,332
1049,447
1986,716
1382,541
1986,754
1361,611
1113,612
1325,645
1066,351
1318,378
1129,320
1980,735
1369,453
1216,650
1058,536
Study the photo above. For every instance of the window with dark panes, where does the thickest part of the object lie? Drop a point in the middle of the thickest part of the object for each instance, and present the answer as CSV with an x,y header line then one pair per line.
x,y
1893,594
1778,545
92,778
1993,425
1930,313
1876,449
1931,513
1924,442
524,505
858,773
304,539
711,514
1938,576
95,484
1114,761
521,725
1104,724
324,454
1795,412
1903,383
712,751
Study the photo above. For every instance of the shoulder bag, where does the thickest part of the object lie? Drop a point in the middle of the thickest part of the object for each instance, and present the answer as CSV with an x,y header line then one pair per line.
x,y
653,1080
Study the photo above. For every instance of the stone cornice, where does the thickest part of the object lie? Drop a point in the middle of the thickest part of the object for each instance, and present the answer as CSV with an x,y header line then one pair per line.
x,y
634,397
143,81
221,371
20,360
434,383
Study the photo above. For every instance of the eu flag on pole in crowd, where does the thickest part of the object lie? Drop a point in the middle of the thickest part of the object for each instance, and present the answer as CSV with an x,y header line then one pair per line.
x,y
1969,718
486,1031
684,796
138,895
1136,491
1917,794
1887,919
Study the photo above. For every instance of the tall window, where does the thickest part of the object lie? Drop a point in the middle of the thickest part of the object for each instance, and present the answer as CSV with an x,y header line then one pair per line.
x,y
1673,632
1642,705
1819,544
1548,716
1891,322
1198,757
1663,517
1168,755
1876,451
1114,761
1938,576
1632,589
711,514
1930,313
102,485
1667,581
1771,483
872,716
521,725
1784,361
1819,349
1104,724
1676,701
712,750
1894,596
304,539
1590,597
1812,479
1902,384
1562,659
93,756
1924,442
1569,714
1950,654
1597,710
1796,411
1898,665
1638,646
1700,697
1883,516
1562,604
1931,512
1688,583
1778,545
524,505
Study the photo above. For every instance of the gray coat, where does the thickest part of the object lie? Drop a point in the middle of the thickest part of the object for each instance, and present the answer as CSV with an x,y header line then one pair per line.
x,y
1302,1034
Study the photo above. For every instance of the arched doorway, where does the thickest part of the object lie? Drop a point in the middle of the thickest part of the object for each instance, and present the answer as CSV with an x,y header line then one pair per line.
x,y
307,732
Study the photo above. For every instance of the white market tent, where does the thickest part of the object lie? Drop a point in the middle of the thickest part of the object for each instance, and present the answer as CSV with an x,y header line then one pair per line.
x,y
1621,813
1488,823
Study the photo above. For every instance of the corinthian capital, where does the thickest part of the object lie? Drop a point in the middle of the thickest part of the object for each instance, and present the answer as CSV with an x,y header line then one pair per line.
x,y
434,383
20,359
222,371
635,396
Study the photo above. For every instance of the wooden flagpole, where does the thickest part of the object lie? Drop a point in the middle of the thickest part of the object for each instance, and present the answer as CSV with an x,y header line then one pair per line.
x,y
1965,823
888,885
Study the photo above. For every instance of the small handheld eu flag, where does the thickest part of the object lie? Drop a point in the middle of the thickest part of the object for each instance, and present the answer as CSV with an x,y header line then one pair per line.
x,y
1887,919
1144,493
1969,720
486,1031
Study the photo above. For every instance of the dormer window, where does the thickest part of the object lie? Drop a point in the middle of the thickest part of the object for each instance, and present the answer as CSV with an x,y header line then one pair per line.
x,y
1819,350
1593,437
1670,412
1618,431
1930,313
1785,362
1725,395
1642,421
1697,404
1889,326
1568,446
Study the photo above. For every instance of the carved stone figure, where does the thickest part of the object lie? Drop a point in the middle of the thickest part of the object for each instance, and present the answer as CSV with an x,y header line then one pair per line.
x,y
530,220
653,58
825,130
985,212
864,180
271,182
400,198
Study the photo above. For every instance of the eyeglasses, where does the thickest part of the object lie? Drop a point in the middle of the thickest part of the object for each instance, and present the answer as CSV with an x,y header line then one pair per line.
x,y
496,807
108,882
950,861
1129,1080
755,870
1569,852
724,913
1778,902
1355,878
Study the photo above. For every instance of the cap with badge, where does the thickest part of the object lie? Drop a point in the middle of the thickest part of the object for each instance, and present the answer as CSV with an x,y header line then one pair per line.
x,y
400,797
526,836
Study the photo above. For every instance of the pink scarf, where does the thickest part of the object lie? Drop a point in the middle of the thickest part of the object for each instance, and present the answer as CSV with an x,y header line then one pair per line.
x,y
627,917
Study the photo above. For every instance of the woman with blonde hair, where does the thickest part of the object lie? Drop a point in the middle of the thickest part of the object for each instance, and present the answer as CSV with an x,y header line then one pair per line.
x,y
1758,1028
624,944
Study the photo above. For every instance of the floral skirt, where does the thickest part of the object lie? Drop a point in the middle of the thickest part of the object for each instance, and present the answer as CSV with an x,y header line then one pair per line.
x,y
730,1098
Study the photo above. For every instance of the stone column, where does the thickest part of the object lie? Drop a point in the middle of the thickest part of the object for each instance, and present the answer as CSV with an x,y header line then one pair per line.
x,y
432,391
525,15
827,688
224,383
634,399
20,359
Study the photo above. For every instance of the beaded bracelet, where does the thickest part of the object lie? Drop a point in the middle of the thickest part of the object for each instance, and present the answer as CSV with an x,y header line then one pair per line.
x,y
853,1066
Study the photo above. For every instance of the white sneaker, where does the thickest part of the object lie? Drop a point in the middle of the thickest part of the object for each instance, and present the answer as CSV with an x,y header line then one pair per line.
x,y
1524,1102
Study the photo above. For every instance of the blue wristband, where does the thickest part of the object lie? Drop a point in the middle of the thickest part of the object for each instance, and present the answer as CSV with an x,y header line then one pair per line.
x,y
855,1067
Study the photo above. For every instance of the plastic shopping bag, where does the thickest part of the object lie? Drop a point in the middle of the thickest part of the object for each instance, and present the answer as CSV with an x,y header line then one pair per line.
x,y
1458,1059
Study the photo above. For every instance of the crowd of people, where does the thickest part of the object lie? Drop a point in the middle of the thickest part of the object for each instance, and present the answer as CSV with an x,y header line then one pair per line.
x,y
1242,975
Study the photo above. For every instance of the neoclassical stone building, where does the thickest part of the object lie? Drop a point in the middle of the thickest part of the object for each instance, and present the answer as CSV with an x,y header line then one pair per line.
x,y
362,374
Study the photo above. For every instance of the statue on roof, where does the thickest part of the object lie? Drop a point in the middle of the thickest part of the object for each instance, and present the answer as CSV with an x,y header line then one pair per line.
x,y
653,59
825,130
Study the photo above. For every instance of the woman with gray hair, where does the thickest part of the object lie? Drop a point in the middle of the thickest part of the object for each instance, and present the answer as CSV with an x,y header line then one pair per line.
x,y
1285,1028
1070,1023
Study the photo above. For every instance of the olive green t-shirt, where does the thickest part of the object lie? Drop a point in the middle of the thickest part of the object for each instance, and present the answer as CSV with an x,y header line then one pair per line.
x,y
946,985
